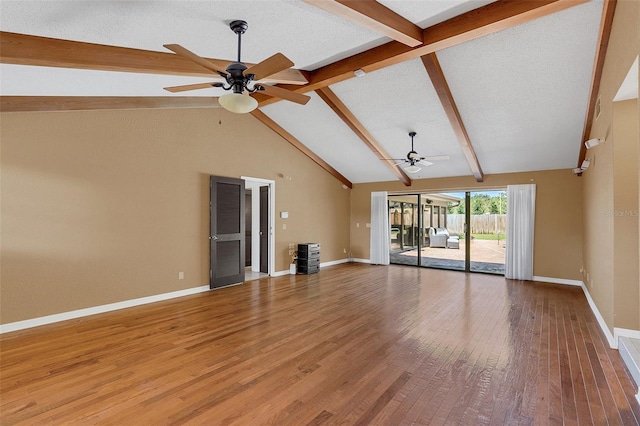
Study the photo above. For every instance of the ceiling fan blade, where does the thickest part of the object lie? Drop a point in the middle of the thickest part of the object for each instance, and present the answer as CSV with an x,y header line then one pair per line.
x,y
436,158
187,87
288,95
269,66
424,163
185,53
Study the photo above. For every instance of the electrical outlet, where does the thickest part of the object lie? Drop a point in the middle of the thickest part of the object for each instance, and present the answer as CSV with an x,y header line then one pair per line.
x,y
181,275
357,224
344,250
284,226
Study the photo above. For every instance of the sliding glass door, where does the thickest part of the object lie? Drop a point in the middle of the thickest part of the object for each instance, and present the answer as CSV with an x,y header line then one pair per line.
x,y
488,231
430,230
404,219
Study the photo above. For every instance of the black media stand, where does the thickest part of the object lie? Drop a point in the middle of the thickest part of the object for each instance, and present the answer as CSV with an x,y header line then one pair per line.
x,y
308,258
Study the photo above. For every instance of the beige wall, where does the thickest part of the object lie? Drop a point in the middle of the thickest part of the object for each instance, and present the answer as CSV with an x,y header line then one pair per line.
x,y
602,186
101,207
625,213
558,225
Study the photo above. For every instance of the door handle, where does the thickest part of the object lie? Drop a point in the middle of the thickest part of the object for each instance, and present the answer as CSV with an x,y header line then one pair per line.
x,y
260,233
214,238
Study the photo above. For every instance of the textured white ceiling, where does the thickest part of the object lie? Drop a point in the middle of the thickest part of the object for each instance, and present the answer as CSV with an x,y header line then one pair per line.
x,y
629,87
396,100
19,80
522,92
290,26
322,131
427,13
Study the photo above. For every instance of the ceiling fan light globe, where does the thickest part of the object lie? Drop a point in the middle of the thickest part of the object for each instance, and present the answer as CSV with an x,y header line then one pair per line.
x,y
412,169
235,102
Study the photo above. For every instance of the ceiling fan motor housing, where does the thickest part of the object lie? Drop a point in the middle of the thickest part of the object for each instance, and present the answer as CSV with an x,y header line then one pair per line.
x,y
235,76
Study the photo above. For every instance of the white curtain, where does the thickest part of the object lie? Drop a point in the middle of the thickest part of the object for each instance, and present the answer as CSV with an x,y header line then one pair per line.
x,y
521,207
379,252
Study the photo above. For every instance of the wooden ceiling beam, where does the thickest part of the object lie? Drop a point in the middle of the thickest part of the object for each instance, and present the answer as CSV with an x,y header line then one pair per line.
x,y
89,103
485,20
609,8
299,145
21,49
375,16
358,128
432,65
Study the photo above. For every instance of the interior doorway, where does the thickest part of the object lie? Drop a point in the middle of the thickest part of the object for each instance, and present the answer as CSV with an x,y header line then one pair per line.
x,y
260,216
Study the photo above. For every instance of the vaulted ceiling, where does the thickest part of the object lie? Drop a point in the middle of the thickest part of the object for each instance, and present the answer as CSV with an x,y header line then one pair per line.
x,y
497,86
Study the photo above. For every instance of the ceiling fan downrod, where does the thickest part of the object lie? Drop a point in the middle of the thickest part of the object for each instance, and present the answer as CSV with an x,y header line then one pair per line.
x,y
239,27
412,155
235,77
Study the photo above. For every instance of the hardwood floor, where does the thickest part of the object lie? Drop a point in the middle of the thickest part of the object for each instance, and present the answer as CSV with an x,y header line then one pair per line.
x,y
354,344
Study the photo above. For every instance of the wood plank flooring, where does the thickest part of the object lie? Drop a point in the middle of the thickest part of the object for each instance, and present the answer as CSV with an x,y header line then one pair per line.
x,y
354,345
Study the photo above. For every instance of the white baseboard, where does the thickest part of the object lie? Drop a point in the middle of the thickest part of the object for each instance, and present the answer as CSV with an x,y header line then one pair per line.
x,y
355,259
613,342
64,316
558,281
333,262
322,265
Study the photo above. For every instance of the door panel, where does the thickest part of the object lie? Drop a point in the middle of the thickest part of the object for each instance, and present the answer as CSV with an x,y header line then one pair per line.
x,y
227,238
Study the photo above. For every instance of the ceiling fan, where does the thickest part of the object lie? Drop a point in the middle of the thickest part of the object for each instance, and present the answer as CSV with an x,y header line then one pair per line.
x,y
240,79
413,159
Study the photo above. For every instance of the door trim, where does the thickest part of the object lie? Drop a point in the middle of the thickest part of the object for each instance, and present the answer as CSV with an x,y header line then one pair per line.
x,y
272,217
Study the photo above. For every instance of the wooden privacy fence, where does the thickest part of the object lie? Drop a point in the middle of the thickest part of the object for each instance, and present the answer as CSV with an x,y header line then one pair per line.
x,y
480,223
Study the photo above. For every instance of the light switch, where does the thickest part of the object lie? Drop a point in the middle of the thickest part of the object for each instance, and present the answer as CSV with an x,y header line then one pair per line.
x,y
284,215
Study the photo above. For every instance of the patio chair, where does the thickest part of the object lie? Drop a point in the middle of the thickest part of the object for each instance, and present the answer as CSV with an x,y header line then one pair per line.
x,y
438,239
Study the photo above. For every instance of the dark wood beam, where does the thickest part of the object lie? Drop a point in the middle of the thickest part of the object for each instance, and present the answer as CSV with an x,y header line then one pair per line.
x,y
609,8
375,16
299,145
88,103
439,81
21,49
488,19
358,128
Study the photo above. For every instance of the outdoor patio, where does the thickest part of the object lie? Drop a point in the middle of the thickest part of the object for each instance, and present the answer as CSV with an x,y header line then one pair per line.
x,y
486,256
